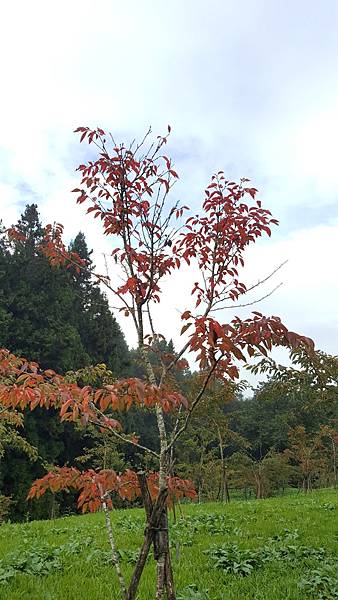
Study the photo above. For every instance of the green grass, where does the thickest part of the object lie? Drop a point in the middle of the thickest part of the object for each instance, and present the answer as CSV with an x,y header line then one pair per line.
x,y
68,558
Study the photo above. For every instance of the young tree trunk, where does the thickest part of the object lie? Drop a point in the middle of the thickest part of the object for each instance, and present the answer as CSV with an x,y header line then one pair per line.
x,y
161,541
334,456
160,583
259,484
200,478
161,538
258,490
115,557
306,483
169,577
154,513
222,486
225,496
164,569
226,487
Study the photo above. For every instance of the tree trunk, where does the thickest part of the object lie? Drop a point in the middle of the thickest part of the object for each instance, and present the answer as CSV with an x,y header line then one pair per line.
x,y
309,483
259,485
225,496
226,487
222,485
154,514
160,540
115,556
200,478
160,570
334,455
169,578
165,579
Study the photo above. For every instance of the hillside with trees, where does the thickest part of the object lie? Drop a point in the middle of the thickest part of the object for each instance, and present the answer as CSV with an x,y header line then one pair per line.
x,y
61,320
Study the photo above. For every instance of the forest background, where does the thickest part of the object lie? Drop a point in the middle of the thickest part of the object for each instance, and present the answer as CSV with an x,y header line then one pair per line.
x,y
237,444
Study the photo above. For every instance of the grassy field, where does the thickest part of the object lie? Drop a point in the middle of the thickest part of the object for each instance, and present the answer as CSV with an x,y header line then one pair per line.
x,y
280,548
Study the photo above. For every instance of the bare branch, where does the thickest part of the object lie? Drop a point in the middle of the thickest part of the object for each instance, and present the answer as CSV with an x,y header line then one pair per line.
x,y
192,407
118,435
261,281
248,303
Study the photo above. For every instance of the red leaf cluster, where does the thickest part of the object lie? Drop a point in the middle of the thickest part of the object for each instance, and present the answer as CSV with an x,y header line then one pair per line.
x,y
126,191
56,252
177,488
218,238
220,344
24,385
95,487
14,234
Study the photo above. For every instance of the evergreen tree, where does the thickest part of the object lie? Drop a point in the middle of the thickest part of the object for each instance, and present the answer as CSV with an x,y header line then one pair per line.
x,y
61,320
5,316
39,301
100,333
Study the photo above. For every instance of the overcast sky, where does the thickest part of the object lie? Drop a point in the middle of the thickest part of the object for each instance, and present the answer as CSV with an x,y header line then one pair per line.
x,y
248,86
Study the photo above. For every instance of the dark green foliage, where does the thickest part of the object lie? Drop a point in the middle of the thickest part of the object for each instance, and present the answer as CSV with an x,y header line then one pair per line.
x,y
321,583
61,320
99,332
243,561
40,303
207,523
232,559
39,560
191,592
303,395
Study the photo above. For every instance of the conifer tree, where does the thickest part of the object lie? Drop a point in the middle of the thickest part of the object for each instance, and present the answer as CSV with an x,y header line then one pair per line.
x,y
99,331
60,320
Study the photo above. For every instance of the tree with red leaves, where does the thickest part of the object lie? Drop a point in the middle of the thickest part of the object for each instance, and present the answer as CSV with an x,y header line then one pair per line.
x,y
128,189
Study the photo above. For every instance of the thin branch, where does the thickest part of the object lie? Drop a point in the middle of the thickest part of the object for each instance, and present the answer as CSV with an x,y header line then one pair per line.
x,y
114,553
192,407
116,434
261,281
248,303
174,431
